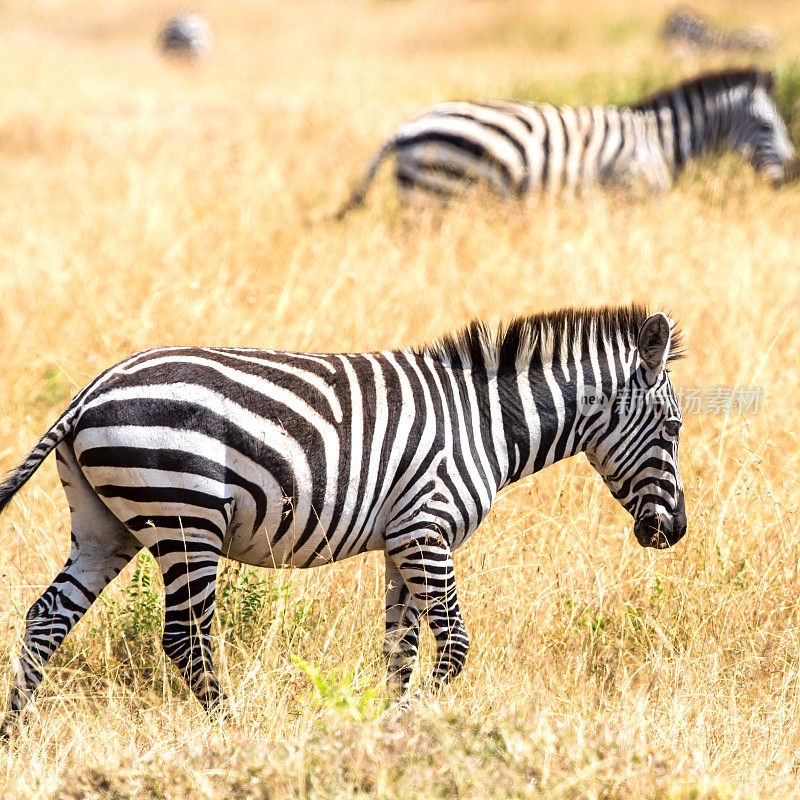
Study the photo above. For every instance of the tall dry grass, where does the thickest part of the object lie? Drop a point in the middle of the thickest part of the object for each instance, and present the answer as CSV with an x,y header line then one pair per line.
x,y
144,203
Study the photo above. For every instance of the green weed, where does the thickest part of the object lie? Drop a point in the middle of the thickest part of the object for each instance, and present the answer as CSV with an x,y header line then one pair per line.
x,y
344,692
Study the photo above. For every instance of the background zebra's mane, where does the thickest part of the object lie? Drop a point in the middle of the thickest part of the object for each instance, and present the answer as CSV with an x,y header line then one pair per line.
x,y
537,337
713,83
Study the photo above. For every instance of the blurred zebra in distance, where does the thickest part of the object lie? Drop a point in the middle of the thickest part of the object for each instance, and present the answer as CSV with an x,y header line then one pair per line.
x,y
286,459
186,35
515,147
684,27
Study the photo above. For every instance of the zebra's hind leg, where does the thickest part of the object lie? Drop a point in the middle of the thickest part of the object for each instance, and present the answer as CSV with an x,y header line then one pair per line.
x,y
184,530
402,631
188,563
426,566
101,547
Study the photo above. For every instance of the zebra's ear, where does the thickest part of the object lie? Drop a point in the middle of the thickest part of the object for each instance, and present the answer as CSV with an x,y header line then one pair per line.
x,y
654,340
763,79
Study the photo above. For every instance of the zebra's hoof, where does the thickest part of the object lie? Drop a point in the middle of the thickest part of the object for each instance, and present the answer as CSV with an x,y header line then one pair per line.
x,y
219,710
8,729
401,703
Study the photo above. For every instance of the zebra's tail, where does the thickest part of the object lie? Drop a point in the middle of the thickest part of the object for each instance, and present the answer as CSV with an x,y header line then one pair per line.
x,y
16,479
360,192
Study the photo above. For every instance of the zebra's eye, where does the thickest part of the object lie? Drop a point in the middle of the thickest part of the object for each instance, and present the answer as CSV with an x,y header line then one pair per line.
x,y
672,427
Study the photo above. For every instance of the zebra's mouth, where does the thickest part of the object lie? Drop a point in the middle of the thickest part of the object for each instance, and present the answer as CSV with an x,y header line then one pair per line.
x,y
659,532
778,173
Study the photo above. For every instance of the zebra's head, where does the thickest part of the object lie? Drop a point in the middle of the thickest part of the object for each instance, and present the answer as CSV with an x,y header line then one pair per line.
x,y
635,443
759,133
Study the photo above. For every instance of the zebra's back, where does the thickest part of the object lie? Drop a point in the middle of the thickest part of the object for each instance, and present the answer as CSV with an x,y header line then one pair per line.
x,y
516,147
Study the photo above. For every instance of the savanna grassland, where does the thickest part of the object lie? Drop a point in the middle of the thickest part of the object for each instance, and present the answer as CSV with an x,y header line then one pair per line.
x,y
146,203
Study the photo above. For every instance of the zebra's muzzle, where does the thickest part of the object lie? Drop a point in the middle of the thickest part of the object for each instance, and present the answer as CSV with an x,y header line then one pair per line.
x,y
780,173
661,532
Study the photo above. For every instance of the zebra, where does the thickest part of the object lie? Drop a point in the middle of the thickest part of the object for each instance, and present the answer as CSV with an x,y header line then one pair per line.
x,y
684,27
515,147
186,35
284,459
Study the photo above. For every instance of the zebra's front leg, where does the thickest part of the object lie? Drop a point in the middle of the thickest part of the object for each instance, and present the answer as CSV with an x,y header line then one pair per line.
x,y
402,631
426,566
190,577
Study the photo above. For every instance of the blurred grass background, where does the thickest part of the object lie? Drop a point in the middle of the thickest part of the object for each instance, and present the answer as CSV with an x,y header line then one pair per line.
x,y
146,203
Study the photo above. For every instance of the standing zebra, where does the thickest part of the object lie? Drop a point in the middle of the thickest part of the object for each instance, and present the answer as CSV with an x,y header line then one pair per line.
x,y
295,459
186,35
516,147
684,27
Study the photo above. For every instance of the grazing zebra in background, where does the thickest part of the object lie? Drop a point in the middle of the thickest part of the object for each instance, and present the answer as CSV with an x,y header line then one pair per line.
x,y
187,35
686,28
517,147
294,459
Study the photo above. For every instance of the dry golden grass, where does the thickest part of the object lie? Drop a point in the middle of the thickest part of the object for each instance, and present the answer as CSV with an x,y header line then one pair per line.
x,y
144,203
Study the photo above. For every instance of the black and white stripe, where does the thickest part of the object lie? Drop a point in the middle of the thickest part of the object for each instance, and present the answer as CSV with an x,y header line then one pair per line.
x,y
516,147
296,459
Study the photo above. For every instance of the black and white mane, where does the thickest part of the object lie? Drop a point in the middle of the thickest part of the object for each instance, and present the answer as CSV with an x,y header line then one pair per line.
x,y
535,338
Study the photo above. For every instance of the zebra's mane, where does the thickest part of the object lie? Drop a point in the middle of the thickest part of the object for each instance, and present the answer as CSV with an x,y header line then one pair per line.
x,y
713,83
535,338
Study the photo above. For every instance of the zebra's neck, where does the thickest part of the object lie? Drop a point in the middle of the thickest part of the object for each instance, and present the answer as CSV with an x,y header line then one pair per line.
x,y
547,408
514,398
693,121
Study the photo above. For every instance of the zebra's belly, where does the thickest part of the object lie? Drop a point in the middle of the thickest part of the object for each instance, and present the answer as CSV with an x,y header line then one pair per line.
x,y
272,545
